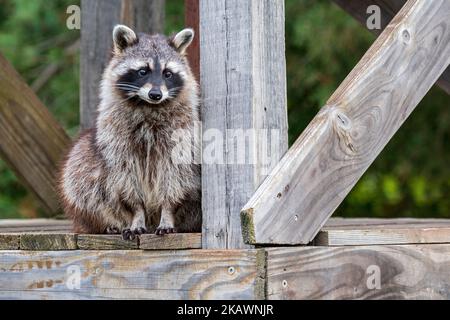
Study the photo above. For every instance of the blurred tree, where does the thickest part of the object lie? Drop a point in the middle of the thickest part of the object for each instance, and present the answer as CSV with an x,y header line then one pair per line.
x,y
410,178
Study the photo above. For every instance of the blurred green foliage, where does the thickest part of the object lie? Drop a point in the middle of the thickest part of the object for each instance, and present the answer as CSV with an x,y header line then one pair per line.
x,y
410,178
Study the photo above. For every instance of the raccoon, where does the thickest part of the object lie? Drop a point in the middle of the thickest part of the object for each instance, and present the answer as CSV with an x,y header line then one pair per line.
x,y
120,176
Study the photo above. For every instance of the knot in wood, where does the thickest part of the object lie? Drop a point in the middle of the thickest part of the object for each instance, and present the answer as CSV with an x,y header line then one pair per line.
x,y
342,126
406,36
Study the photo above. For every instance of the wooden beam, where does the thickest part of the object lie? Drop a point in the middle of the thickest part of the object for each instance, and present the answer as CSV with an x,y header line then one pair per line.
x,y
388,9
175,241
32,141
50,234
243,84
9,241
48,241
98,20
192,20
375,272
349,132
133,274
35,225
105,242
351,232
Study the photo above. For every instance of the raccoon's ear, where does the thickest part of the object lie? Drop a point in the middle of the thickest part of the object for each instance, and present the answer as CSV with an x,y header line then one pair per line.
x,y
182,40
123,37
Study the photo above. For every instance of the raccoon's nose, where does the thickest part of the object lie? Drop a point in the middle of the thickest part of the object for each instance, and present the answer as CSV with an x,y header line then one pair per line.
x,y
155,94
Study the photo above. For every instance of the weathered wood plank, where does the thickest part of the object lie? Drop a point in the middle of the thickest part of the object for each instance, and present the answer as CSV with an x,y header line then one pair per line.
x,y
133,274
377,234
105,242
405,272
9,241
348,133
340,222
388,9
192,20
170,241
243,84
35,225
98,19
48,241
32,141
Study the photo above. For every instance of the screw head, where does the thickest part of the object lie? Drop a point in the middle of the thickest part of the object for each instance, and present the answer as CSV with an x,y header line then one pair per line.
x,y
231,270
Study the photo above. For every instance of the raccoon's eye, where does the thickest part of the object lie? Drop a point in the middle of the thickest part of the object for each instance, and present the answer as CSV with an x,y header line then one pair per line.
x,y
142,72
167,74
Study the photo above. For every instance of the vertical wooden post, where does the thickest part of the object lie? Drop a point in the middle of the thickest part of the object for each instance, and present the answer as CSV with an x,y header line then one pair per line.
x,y
243,84
192,20
98,20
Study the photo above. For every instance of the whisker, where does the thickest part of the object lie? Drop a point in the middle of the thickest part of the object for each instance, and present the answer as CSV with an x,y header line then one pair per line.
x,y
131,83
126,86
129,89
126,99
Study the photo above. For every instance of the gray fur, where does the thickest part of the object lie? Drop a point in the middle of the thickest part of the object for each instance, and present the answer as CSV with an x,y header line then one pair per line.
x,y
122,170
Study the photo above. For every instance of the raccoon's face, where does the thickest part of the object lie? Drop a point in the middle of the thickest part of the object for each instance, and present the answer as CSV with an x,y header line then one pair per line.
x,y
150,69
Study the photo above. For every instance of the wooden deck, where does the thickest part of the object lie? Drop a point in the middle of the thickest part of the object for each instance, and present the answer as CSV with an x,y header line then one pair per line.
x,y
37,259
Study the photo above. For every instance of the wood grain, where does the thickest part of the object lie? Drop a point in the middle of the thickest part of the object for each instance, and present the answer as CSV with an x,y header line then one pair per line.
x,y
170,241
406,272
9,241
35,225
340,222
243,84
48,241
105,242
388,9
32,141
347,135
99,18
132,274
387,232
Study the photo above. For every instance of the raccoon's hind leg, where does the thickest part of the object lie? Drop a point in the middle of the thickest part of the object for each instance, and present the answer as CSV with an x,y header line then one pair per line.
x,y
167,222
137,226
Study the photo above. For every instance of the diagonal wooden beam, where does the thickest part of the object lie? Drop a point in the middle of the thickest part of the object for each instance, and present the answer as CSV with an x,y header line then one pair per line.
x,y
349,132
388,8
31,140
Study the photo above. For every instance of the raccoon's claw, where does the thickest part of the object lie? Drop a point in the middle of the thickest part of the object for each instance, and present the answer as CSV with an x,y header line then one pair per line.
x,y
164,230
127,234
112,230
140,231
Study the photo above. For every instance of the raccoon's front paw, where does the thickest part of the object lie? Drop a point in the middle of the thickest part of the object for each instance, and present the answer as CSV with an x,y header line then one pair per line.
x,y
163,229
128,234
